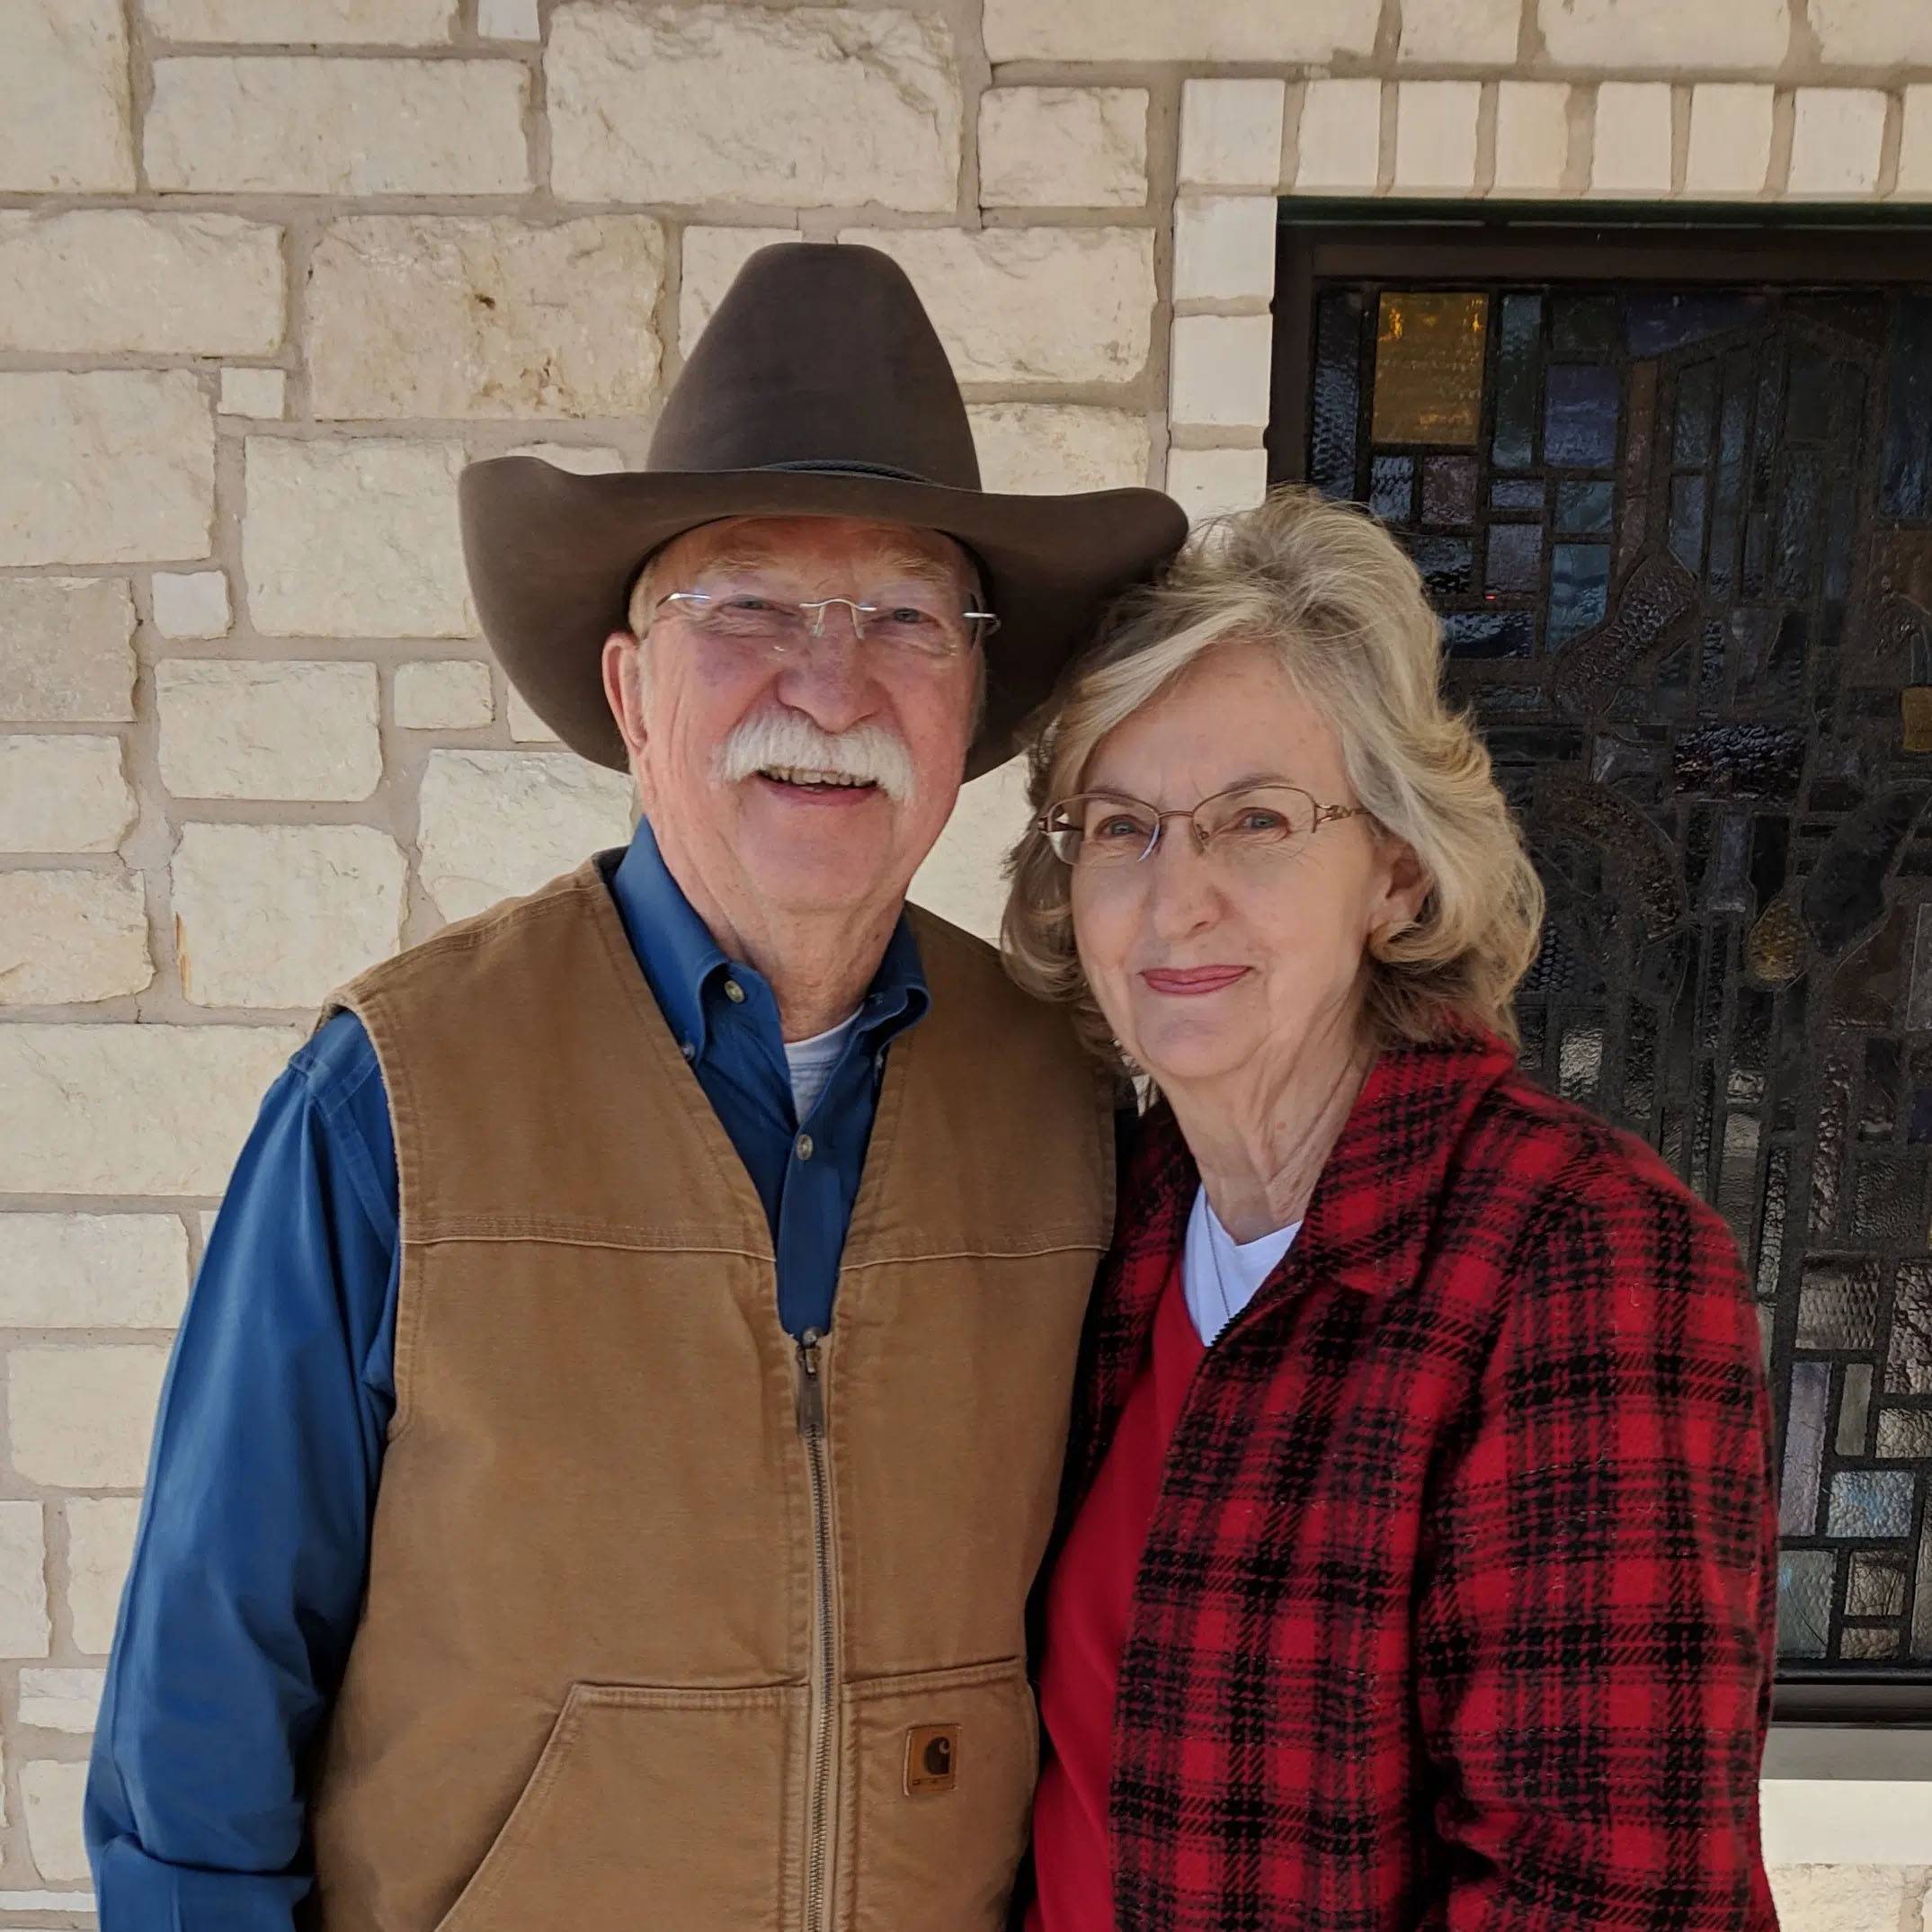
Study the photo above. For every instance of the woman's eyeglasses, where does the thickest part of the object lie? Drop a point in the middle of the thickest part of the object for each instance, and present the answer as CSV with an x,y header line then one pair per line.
x,y
1245,822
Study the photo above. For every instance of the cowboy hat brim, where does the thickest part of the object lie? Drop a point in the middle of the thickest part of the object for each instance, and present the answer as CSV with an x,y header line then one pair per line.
x,y
552,556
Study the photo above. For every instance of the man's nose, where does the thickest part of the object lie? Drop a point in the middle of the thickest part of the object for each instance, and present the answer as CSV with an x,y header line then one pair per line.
x,y
826,676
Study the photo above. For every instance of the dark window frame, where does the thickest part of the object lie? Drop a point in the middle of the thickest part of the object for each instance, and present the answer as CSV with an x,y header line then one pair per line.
x,y
1448,244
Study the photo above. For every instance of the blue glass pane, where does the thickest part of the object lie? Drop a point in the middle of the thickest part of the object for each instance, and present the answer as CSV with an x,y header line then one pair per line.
x,y
1391,487
1511,492
1518,340
1584,324
1489,634
1871,1502
1515,557
1579,423
1335,404
1804,1584
1697,416
1655,324
1807,394
1687,521
1584,508
1905,472
1804,1447
1580,585
1449,489
1445,563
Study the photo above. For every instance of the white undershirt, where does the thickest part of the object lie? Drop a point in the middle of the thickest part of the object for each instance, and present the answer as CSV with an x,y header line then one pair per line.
x,y
1220,1274
812,1061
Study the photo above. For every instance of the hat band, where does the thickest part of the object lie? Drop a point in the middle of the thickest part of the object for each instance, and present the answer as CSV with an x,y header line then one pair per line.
x,y
836,468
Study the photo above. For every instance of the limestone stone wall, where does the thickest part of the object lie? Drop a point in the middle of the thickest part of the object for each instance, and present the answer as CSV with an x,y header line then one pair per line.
x,y
271,270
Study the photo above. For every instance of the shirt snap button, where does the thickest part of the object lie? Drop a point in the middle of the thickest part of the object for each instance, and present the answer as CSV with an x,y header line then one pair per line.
x,y
804,1146
734,992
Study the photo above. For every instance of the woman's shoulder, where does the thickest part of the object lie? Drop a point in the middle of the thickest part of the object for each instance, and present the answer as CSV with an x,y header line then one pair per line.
x,y
1606,1195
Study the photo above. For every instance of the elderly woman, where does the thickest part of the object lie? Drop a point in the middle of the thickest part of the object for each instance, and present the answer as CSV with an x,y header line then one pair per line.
x,y
1417,1558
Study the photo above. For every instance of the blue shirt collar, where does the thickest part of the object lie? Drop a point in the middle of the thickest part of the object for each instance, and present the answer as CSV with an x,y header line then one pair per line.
x,y
687,968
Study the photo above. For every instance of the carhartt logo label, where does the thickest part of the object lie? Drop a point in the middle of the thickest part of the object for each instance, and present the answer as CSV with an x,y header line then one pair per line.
x,y
932,1758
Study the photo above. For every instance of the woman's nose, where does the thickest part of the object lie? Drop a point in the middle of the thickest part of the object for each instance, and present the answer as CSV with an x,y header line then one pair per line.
x,y
1182,895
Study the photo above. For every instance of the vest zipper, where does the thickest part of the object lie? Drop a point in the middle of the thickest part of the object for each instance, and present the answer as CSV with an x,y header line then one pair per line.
x,y
825,1646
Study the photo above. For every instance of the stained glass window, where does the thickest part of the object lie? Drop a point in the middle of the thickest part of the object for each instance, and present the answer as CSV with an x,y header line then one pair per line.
x,y
1680,538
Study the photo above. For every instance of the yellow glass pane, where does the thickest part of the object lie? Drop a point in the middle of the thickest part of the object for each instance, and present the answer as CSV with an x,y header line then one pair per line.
x,y
1428,367
1916,701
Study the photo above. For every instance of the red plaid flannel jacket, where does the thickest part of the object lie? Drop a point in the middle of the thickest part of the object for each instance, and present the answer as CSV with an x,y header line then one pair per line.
x,y
1457,1611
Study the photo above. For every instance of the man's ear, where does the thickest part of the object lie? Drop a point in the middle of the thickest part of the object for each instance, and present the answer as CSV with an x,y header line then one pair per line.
x,y
621,688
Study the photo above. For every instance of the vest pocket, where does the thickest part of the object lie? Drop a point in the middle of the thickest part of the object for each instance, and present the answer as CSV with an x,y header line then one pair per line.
x,y
652,1805
942,1768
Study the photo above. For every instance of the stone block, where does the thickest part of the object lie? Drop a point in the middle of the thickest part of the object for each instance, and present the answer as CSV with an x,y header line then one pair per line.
x,y
1532,137
191,603
1032,305
960,879
712,259
525,726
1221,371
1047,449
1665,35
1223,247
321,23
66,938
100,279
1460,33
111,466
1915,144
1835,136
1730,138
1340,141
268,730
1212,483
80,1415
1436,136
91,1271
1839,1898
25,1627
809,107
281,916
451,694
51,1791
494,823
354,538
294,124
261,393
508,20
1063,147
66,650
142,1109
61,1700
1633,152
1159,30
1873,33
451,316
584,459
101,1533
65,793
1230,133
64,107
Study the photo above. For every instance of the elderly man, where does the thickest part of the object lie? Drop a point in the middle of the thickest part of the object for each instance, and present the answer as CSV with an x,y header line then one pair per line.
x,y
619,1414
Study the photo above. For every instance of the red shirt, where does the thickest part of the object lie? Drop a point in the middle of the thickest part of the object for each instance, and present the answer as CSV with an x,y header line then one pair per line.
x,y
1087,1601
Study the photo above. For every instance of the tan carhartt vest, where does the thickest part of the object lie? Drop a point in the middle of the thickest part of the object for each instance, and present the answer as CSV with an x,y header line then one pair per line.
x,y
671,1624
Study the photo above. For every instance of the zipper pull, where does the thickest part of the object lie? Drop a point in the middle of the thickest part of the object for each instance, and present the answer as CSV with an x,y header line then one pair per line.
x,y
811,1390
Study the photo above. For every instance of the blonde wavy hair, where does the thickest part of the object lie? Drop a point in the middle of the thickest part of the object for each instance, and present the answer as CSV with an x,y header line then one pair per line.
x,y
1334,598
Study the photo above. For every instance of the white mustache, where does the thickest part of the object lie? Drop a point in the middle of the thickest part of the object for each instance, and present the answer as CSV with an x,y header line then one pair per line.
x,y
780,738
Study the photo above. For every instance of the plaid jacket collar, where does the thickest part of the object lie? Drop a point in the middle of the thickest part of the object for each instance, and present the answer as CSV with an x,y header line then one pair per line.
x,y
1366,1233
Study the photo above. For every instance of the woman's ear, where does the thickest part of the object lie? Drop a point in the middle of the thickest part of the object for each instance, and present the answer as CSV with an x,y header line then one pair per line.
x,y
1405,885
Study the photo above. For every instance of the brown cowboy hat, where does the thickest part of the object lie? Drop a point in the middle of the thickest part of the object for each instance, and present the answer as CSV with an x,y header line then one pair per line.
x,y
819,389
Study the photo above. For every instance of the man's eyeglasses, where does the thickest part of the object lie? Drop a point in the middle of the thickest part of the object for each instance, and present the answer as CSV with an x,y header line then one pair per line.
x,y
917,624
1248,823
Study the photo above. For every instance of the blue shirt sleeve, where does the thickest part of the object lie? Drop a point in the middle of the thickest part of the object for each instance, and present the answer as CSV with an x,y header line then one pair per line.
x,y
250,1563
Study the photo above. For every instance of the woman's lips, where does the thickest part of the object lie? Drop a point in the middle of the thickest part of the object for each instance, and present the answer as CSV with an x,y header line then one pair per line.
x,y
1187,980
